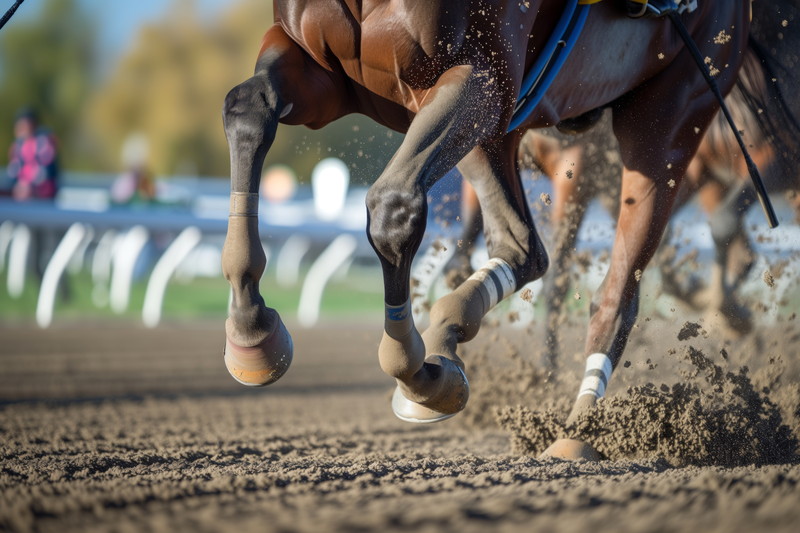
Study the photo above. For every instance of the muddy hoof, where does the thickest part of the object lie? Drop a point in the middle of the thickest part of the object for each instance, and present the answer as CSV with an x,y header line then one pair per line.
x,y
571,450
262,364
455,393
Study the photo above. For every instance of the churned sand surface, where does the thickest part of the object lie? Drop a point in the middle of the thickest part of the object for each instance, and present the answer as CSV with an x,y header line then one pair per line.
x,y
112,427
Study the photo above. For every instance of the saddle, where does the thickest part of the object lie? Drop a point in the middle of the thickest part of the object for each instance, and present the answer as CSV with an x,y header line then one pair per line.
x,y
658,8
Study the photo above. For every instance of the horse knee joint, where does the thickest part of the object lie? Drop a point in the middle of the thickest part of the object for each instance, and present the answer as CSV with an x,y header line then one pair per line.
x,y
247,110
241,100
396,222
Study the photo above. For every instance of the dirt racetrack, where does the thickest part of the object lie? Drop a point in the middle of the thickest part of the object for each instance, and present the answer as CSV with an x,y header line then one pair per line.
x,y
110,427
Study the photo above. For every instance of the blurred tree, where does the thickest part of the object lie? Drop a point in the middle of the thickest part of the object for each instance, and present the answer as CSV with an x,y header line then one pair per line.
x,y
46,62
171,83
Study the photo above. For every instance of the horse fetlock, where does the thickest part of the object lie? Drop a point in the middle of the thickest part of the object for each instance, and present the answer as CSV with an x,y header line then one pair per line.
x,y
249,320
456,317
401,357
258,355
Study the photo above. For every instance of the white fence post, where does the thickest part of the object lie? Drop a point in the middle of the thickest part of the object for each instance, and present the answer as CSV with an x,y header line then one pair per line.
x,y
101,267
18,259
287,264
425,272
55,269
166,265
6,232
335,255
124,262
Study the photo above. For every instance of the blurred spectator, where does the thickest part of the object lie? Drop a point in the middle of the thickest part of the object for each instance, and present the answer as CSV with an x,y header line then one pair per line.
x,y
135,185
33,159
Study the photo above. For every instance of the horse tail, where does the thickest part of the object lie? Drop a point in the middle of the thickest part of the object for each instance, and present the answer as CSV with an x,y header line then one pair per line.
x,y
770,72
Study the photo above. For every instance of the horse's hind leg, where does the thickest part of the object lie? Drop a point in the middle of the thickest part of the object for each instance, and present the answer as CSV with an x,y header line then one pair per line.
x,y
656,154
733,257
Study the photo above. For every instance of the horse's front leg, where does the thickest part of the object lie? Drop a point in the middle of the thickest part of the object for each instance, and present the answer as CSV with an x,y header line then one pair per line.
x,y
258,348
455,119
651,179
517,257
517,254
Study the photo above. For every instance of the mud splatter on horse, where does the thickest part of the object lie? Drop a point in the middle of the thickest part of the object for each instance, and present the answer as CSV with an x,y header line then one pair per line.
x,y
585,165
449,76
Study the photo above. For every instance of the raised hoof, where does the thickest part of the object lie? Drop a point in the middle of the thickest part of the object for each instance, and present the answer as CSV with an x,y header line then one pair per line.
x,y
262,364
454,399
571,450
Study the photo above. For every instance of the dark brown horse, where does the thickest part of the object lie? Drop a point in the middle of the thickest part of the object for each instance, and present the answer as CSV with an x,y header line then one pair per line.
x,y
449,74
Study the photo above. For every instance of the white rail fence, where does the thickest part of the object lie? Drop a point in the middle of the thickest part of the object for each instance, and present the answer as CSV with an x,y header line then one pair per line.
x,y
333,220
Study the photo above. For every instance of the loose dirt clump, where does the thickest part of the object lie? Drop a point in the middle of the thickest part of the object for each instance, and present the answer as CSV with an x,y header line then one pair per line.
x,y
689,330
715,417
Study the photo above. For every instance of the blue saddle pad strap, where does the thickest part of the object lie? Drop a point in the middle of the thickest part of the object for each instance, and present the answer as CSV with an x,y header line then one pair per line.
x,y
550,61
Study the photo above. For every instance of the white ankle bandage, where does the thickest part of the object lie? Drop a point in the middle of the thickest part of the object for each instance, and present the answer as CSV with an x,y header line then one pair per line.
x,y
598,372
497,278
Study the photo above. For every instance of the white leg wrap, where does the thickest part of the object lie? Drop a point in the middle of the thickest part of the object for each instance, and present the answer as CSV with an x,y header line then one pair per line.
x,y
399,320
598,372
497,278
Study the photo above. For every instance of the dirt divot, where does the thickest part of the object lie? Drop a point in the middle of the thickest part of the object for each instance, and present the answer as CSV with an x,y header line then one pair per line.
x,y
714,416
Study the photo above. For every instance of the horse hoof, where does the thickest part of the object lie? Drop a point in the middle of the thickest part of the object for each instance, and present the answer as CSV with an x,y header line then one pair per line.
x,y
262,364
571,450
456,392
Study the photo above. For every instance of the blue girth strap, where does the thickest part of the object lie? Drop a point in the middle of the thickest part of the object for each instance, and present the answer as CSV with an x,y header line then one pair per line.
x,y
550,60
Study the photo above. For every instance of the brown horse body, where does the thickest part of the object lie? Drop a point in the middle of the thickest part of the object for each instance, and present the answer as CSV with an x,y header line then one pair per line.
x,y
448,74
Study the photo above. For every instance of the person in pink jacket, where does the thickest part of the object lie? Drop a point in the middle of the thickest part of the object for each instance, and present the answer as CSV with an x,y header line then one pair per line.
x,y
33,159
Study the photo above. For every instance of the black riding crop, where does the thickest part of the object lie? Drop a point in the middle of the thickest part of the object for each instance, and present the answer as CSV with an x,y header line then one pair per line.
x,y
10,13
758,183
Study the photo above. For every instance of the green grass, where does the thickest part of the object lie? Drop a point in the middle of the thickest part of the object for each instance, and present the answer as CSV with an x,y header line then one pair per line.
x,y
358,294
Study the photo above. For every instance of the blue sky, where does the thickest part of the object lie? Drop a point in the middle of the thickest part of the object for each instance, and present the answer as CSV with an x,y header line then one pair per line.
x,y
121,19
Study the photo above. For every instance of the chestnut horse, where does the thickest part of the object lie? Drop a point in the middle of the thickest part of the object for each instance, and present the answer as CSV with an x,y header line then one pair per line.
x,y
448,74
586,165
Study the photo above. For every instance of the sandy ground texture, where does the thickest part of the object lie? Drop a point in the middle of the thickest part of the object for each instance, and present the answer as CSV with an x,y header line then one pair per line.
x,y
118,428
